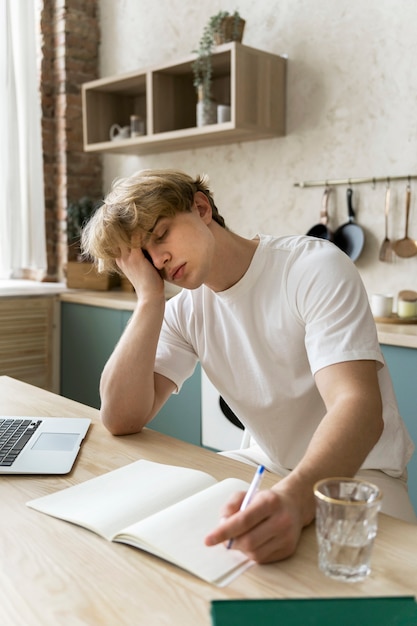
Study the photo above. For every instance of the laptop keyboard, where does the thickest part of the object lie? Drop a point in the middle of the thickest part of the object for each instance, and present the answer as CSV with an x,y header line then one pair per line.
x,y
14,435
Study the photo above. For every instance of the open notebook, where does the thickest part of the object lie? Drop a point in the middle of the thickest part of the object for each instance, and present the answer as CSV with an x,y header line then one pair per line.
x,y
162,509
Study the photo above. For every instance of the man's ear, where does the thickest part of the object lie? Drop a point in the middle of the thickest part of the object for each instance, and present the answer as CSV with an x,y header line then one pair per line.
x,y
203,206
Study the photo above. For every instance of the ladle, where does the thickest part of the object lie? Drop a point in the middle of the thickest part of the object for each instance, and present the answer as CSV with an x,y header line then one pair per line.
x,y
385,252
406,247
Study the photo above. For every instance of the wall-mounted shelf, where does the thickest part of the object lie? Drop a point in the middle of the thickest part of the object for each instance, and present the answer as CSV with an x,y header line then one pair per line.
x,y
250,80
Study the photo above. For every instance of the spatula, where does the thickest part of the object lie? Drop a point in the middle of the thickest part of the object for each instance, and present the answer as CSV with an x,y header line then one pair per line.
x,y
385,252
406,246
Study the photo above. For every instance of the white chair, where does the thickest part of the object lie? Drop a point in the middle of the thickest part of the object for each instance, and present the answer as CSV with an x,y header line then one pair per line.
x,y
245,440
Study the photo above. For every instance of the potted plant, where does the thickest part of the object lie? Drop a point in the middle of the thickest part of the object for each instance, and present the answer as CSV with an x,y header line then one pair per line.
x,y
81,272
221,28
227,27
78,214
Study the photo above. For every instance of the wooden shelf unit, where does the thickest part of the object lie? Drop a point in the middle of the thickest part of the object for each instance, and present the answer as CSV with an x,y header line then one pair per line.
x,y
252,81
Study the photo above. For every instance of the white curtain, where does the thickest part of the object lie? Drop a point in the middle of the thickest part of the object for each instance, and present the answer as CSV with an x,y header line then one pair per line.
x,y
22,203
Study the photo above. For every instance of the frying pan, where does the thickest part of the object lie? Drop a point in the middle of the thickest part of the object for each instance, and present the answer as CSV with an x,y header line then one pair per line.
x,y
321,230
350,237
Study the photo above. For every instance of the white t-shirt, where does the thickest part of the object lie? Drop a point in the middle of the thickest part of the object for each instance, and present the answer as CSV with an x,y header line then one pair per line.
x,y
301,306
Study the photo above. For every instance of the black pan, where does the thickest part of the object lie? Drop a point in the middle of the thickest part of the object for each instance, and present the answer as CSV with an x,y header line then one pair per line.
x,y
350,237
321,230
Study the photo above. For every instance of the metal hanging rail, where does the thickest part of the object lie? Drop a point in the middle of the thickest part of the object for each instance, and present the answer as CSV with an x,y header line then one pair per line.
x,y
353,181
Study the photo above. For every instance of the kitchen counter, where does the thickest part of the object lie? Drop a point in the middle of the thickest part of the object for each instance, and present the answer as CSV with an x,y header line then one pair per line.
x,y
404,335
27,288
114,299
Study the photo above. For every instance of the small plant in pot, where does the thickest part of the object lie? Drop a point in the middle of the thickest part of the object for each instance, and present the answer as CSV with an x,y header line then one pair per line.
x,y
227,27
220,28
81,273
78,214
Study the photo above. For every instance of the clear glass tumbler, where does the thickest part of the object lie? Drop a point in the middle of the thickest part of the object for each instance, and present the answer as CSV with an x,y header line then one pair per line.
x,y
346,526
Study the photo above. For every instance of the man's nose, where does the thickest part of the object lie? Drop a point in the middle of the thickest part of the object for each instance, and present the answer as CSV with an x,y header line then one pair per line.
x,y
159,258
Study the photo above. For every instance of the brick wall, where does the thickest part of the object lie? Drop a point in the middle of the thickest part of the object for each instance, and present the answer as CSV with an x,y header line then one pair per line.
x,y
70,40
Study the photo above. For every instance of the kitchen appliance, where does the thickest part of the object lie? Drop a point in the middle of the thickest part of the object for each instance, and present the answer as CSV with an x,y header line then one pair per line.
x,y
221,429
321,230
350,237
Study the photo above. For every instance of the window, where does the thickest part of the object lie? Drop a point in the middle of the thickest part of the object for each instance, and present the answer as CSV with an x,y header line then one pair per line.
x,y
22,204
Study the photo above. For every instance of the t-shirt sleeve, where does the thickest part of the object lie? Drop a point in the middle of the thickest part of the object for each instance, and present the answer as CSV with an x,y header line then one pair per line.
x,y
330,299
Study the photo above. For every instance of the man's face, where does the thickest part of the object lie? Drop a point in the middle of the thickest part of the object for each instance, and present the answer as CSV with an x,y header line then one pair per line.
x,y
182,248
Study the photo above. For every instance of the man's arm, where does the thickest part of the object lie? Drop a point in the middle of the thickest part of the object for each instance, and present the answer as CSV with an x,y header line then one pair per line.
x,y
131,394
270,528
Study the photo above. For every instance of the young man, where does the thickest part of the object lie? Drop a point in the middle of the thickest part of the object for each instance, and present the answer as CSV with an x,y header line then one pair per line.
x,y
283,329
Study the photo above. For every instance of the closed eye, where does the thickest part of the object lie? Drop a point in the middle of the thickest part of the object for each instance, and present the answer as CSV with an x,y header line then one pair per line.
x,y
160,230
160,237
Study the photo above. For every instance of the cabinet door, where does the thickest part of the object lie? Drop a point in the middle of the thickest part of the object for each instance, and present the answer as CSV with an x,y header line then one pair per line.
x,y
29,346
402,364
88,337
180,417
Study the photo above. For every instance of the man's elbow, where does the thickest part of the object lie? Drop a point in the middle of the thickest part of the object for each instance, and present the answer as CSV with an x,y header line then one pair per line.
x,y
119,425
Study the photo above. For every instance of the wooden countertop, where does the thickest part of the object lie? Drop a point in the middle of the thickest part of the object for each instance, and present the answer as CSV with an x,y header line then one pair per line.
x,y
403,335
59,573
114,299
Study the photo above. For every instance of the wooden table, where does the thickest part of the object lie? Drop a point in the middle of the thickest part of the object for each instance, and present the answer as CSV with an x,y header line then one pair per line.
x,y
53,573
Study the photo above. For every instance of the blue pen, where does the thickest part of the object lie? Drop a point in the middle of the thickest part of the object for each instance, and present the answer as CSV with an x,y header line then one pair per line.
x,y
256,481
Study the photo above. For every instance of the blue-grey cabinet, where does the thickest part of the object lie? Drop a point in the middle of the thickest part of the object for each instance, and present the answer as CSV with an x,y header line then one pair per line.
x,y
402,364
88,337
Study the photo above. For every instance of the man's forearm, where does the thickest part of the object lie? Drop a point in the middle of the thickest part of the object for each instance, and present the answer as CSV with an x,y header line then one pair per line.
x,y
127,383
339,447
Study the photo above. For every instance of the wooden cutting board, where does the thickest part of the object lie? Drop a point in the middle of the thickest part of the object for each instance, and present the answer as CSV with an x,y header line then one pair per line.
x,y
394,319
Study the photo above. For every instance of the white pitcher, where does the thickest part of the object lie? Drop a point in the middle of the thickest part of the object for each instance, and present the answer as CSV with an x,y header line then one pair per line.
x,y
119,132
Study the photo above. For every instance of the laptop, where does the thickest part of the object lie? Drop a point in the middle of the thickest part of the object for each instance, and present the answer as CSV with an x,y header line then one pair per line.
x,y
40,445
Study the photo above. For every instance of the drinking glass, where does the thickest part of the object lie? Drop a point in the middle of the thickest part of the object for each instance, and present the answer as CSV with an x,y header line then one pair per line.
x,y
346,526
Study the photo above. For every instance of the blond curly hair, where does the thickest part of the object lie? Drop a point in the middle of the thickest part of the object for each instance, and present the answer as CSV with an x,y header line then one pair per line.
x,y
134,206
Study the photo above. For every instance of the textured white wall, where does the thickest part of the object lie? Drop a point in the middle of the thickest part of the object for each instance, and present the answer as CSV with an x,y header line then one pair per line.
x,y
351,112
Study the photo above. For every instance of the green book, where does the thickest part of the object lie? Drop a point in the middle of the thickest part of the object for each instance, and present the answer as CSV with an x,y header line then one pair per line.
x,y
382,611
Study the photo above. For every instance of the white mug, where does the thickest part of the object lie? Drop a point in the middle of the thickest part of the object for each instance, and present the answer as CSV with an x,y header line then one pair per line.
x,y
381,305
119,132
223,113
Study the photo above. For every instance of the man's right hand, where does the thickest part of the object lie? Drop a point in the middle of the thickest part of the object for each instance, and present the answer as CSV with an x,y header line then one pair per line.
x,y
143,275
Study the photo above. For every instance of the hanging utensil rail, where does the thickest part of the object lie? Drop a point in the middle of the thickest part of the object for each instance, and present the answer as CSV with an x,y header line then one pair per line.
x,y
352,181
